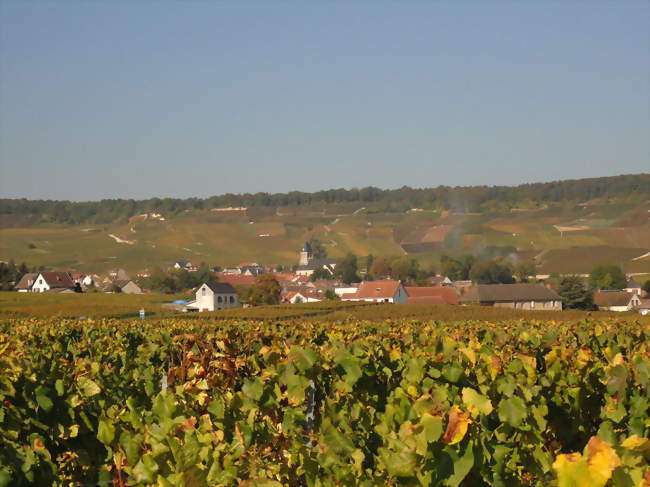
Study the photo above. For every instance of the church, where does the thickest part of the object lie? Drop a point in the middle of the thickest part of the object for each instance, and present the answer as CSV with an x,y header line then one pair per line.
x,y
307,264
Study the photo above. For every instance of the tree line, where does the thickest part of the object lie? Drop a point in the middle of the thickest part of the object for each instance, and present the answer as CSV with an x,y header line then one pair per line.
x,y
467,199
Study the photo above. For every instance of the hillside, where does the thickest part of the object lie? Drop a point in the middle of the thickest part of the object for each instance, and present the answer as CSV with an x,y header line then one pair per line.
x,y
564,236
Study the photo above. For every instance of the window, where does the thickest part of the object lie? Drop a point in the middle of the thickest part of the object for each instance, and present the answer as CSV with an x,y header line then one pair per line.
x,y
231,299
219,299
203,292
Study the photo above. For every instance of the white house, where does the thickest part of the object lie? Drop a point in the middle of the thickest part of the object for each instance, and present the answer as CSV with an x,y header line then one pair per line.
x,y
387,291
350,289
52,281
214,295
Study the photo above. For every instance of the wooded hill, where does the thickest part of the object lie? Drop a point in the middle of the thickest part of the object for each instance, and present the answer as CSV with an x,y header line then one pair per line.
x,y
24,212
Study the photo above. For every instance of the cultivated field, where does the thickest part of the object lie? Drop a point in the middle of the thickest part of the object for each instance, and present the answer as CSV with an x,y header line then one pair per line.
x,y
612,231
346,402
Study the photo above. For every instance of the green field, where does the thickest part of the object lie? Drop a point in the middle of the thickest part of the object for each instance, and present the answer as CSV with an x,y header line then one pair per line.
x,y
325,402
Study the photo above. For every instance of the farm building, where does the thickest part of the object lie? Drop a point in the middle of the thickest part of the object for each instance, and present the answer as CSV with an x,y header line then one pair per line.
x,y
515,296
432,295
616,300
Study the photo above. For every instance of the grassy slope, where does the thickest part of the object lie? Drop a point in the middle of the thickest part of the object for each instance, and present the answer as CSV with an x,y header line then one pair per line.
x,y
611,232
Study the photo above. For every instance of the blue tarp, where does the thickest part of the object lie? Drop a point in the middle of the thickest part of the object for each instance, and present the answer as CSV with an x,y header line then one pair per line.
x,y
180,301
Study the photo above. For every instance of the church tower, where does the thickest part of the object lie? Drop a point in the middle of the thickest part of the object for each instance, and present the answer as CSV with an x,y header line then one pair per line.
x,y
306,254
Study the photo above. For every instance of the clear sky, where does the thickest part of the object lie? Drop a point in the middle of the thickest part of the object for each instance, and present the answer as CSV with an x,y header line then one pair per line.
x,y
107,99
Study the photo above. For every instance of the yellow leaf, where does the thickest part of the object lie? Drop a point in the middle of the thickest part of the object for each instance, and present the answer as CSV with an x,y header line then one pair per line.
x,y
601,459
457,427
635,442
470,354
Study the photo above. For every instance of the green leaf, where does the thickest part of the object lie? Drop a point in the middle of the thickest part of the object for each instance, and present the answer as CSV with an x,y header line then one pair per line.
x,y
58,385
473,399
43,399
106,431
512,411
253,388
88,387
164,405
352,370
462,465
398,464
452,372
432,427
304,359
145,470
5,478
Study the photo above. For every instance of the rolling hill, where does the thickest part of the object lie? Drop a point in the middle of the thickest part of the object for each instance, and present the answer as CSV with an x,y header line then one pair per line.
x,y
570,235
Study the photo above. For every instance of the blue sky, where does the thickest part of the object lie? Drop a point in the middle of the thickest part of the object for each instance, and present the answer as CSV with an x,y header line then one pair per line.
x,y
150,98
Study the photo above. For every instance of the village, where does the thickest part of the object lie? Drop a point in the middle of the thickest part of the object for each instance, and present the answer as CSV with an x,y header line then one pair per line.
x,y
315,279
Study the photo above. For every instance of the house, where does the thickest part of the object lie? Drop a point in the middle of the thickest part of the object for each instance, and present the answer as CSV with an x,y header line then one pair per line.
x,y
144,273
633,287
53,281
616,300
440,281
349,289
301,296
26,282
85,280
432,295
515,296
387,291
644,306
185,265
117,274
127,286
214,295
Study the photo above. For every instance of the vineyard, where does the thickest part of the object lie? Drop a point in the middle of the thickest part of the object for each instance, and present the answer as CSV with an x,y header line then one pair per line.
x,y
346,402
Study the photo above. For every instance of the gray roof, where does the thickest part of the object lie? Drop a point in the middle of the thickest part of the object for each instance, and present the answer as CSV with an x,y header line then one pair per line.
x,y
221,287
23,283
508,292
317,264
612,298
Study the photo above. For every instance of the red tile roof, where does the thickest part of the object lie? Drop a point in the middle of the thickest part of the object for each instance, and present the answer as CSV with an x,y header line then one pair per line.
x,y
445,294
58,279
236,279
377,289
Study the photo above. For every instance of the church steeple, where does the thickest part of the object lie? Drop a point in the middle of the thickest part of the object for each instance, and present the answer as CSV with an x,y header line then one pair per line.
x,y
306,254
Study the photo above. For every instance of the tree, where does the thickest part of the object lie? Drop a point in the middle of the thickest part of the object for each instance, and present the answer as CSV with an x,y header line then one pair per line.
x,y
266,290
318,249
646,286
380,268
320,273
607,276
346,269
574,293
525,269
404,268
457,269
161,282
330,295
491,272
